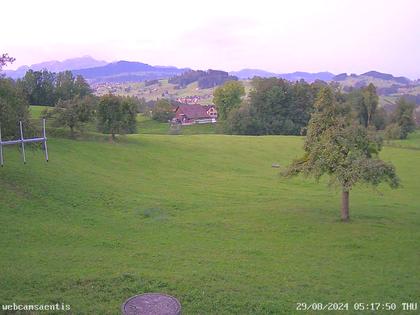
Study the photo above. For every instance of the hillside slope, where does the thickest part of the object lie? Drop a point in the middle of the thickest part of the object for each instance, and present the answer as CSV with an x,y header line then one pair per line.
x,y
204,218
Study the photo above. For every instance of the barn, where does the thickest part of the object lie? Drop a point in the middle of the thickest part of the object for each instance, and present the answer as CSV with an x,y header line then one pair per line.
x,y
195,114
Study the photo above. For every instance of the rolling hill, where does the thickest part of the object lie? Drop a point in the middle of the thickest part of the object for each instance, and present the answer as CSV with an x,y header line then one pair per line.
x,y
380,80
372,75
388,87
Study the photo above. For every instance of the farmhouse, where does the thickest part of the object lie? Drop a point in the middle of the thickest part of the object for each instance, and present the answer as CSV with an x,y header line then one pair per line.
x,y
195,114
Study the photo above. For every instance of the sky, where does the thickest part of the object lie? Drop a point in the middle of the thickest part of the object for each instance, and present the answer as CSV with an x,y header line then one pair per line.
x,y
352,36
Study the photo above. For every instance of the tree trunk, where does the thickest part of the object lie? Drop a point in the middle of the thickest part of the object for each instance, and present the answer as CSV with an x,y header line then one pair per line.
x,y
345,216
112,137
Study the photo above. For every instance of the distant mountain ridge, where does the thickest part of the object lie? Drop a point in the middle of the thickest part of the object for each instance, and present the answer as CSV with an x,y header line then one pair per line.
x,y
99,71
57,66
294,76
128,71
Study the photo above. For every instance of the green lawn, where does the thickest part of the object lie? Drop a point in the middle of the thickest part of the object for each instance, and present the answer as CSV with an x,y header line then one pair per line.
x,y
36,111
412,141
204,218
146,125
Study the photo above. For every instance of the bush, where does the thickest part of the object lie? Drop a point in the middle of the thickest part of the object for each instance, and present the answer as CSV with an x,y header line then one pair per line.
x,y
163,111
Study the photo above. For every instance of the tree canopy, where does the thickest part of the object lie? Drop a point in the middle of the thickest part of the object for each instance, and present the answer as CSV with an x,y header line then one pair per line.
x,y
227,97
13,108
47,88
204,79
273,106
116,115
73,113
163,110
403,116
13,103
364,104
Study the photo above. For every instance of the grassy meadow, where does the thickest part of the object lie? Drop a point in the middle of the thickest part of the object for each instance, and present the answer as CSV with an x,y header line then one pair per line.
x,y
204,218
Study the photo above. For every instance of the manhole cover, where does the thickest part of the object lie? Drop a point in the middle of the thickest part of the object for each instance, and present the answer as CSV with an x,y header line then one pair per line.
x,y
151,304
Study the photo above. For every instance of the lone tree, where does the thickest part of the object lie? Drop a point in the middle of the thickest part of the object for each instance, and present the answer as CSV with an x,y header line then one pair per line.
x,y
339,147
370,100
116,115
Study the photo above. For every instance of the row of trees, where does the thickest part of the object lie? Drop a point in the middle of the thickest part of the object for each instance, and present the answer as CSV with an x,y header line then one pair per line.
x,y
73,101
112,114
396,124
47,88
274,106
277,106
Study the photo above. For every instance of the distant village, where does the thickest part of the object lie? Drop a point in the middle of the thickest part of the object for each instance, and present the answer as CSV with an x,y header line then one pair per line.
x,y
193,109
197,104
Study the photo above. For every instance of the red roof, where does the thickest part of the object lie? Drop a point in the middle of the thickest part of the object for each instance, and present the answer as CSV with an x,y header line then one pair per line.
x,y
193,111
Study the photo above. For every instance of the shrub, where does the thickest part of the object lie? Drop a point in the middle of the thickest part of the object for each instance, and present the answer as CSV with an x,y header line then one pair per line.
x,y
163,111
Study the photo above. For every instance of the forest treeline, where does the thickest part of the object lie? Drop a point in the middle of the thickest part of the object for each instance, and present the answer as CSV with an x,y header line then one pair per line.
x,y
280,107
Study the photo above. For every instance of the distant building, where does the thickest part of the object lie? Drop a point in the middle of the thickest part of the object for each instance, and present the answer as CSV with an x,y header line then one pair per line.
x,y
195,114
